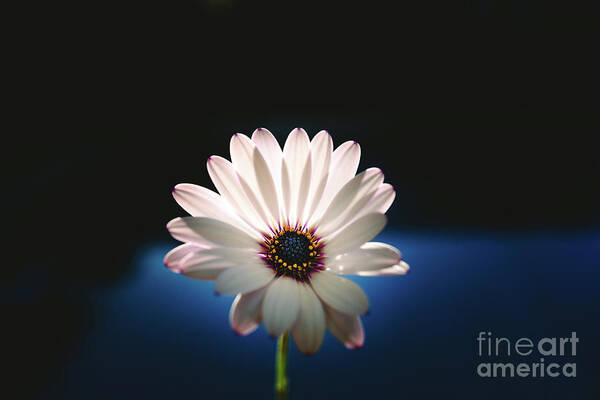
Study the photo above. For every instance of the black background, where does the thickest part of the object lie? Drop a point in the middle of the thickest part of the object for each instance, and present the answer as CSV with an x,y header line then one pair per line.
x,y
483,115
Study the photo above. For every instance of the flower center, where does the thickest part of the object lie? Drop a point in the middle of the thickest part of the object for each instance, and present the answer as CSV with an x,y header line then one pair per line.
x,y
293,252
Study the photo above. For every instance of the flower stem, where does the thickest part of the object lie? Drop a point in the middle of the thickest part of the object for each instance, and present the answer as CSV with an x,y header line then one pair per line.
x,y
281,380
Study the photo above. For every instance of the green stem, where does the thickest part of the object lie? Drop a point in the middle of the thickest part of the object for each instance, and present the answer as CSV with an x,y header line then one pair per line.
x,y
281,380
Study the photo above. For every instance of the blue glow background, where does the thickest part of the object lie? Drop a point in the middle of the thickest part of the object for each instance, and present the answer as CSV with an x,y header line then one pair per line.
x,y
159,335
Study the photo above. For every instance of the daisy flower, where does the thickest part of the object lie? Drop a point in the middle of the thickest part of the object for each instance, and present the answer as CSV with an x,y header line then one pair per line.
x,y
282,229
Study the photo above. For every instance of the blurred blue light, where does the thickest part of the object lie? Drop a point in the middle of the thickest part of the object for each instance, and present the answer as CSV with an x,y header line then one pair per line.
x,y
160,334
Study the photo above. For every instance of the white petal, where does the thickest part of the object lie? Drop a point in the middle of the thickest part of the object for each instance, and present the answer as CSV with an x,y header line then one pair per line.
x,y
399,269
368,257
244,315
206,264
350,200
256,177
267,187
381,201
344,163
205,269
303,192
269,148
236,256
199,201
230,187
339,293
286,192
174,257
296,160
281,305
201,230
356,233
346,328
321,148
309,329
243,279
241,149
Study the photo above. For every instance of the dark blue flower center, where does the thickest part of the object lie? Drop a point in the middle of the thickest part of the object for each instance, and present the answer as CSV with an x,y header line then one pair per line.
x,y
294,253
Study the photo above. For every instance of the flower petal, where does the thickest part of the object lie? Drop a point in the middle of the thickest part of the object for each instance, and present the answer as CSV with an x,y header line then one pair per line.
x,y
339,293
344,163
297,165
309,329
243,279
281,305
368,257
200,230
244,315
382,200
174,257
199,201
350,200
256,177
271,151
399,269
346,328
230,187
267,187
354,234
236,256
321,148
205,268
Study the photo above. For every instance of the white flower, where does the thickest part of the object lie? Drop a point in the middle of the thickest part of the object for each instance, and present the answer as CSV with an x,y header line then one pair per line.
x,y
284,226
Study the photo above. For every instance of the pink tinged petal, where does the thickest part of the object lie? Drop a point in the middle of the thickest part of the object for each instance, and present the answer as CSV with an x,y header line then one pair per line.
x,y
382,200
255,177
244,315
344,163
350,200
200,230
205,269
355,234
235,255
286,191
399,269
296,155
281,305
199,201
339,293
267,186
346,328
321,148
206,264
368,257
173,258
229,186
309,329
270,149
243,279
303,192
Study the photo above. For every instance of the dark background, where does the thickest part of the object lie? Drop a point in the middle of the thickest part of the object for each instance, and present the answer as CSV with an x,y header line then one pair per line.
x,y
483,115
